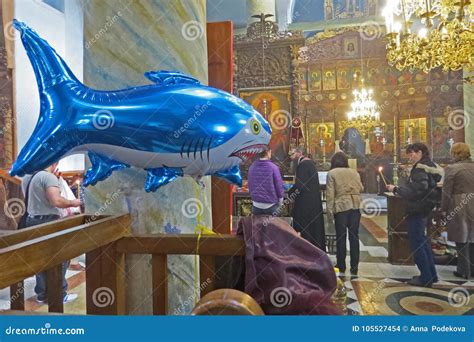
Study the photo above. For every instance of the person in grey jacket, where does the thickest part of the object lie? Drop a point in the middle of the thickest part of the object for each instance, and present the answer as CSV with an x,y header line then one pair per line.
x,y
457,201
343,187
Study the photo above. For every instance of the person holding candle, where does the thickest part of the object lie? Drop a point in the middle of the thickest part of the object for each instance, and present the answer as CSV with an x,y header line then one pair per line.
x,y
422,194
343,188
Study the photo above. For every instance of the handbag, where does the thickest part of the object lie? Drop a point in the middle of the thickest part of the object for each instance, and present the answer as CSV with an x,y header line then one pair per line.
x,y
22,222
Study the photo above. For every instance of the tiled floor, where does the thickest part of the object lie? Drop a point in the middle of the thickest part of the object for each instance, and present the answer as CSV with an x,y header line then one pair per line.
x,y
393,297
378,290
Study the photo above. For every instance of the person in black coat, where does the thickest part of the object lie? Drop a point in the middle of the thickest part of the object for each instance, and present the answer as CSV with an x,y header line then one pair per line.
x,y
307,213
422,194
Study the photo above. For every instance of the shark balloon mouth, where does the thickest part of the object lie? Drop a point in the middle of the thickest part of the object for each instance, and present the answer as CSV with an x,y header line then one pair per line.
x,y
249,152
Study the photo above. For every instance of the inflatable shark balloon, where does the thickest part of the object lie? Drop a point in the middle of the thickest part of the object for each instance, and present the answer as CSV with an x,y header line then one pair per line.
x,y
171,128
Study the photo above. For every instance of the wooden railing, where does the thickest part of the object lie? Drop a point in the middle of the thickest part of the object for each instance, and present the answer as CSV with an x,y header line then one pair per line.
x,y
45,247
161,245
106,241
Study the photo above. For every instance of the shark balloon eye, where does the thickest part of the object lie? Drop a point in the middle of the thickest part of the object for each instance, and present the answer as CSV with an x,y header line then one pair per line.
x,y
255,126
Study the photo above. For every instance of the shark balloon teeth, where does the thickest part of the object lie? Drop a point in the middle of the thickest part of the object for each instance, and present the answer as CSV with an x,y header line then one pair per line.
x,y
173,127
249,152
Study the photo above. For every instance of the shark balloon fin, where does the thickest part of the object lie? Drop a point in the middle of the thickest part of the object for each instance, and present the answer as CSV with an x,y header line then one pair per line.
x,y
165,78
102,168
231,175
161,176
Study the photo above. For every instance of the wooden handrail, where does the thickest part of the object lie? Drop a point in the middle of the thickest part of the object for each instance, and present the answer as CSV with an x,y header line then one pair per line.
x,y
17,236
30,257
211,245
5,175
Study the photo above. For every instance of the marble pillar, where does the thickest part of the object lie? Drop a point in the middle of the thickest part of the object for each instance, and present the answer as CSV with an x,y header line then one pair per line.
x,y
122,40
257,7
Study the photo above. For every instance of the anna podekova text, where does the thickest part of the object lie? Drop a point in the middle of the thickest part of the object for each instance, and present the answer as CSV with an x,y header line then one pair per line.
x,y
408,328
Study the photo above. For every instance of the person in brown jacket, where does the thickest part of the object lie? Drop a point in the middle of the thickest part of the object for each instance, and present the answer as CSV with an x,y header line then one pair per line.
x,y
343,187
457,201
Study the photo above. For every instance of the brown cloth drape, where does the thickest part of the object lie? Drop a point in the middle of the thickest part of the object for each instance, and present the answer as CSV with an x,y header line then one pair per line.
x,y
284,273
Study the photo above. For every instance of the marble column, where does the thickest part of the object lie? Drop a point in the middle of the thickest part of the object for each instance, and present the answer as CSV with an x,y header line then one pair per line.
x,y
122,40
257,7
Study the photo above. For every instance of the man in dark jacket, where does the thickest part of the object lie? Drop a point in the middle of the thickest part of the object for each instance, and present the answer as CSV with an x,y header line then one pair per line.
x,y
308,216
421,194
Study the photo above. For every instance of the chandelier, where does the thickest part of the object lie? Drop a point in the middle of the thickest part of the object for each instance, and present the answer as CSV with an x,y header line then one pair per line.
x,y
426,34
364,114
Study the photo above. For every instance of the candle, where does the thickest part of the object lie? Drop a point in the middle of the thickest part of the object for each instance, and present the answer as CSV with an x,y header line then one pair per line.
x,y
381,174
78,185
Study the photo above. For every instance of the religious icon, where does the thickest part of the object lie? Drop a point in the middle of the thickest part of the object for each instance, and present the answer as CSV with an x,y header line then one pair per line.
x,y
372,7
343,79
329,81
328,10
355,76
303,77
349,8
351,47
373,77
316,80
322,139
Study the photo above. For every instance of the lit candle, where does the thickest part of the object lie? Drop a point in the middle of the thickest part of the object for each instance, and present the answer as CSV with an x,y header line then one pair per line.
x,y
78,184
381,174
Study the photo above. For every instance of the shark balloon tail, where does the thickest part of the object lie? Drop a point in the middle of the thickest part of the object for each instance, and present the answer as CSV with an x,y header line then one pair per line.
x,y
51,72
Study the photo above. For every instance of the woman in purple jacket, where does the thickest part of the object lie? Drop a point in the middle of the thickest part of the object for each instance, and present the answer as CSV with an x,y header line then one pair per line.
x,y
265,185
